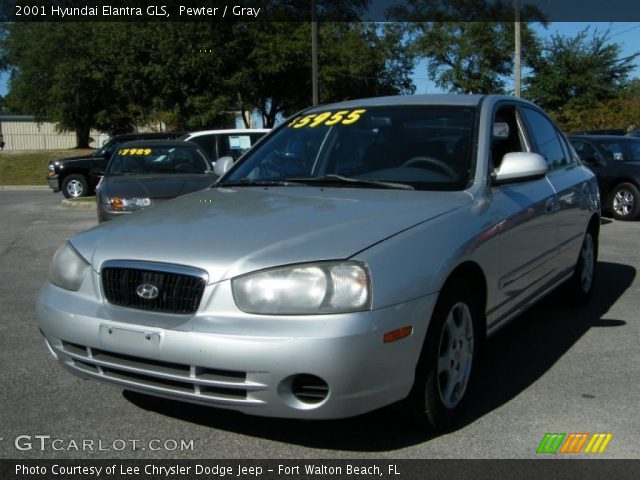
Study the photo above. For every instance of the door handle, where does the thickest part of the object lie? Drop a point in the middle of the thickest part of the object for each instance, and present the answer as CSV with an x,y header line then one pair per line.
x,y
551,205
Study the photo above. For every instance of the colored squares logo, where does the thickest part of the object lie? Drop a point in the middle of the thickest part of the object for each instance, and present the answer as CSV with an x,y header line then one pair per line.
x,y
574,443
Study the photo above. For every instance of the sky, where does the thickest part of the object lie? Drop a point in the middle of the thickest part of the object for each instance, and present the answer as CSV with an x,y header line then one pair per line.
x,y
627,34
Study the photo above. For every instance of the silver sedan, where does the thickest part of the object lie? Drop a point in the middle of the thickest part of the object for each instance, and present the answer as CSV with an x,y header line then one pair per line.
x,y
359,255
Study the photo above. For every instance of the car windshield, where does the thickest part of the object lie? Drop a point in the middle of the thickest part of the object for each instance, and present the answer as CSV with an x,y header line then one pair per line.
x,y
158,159
622,150
103,150
417,147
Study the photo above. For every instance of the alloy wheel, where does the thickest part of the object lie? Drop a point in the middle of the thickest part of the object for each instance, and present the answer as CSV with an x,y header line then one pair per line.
x,y
75,188
623,202
455,355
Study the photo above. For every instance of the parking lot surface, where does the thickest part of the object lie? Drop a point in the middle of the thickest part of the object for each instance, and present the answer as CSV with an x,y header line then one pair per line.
x,y
557,368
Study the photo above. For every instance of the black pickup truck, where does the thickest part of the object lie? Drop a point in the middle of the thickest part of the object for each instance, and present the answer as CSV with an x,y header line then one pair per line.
x,y
71,174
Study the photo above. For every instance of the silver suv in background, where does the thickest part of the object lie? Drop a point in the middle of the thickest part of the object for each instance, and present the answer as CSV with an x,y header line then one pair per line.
x,y
225,143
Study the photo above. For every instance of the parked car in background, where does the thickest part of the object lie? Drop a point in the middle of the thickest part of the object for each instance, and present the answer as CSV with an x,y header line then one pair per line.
x,y
144,173
72,174
616,162
225,143
359,255
601,131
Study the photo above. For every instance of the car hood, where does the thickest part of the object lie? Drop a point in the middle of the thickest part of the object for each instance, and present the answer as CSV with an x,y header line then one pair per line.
x,y
79,157
163,185
232,231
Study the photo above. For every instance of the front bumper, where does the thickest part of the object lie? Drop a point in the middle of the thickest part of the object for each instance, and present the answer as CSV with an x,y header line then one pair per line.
x,y
184,358
54,182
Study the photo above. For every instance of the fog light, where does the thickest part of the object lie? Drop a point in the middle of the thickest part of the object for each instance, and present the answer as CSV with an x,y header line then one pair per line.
x,y
309,388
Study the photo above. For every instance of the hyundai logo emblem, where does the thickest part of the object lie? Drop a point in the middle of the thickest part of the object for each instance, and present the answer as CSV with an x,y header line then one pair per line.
x,y
147,291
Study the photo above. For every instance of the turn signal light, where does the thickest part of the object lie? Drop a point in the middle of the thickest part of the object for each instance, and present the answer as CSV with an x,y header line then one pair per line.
x,y
398,334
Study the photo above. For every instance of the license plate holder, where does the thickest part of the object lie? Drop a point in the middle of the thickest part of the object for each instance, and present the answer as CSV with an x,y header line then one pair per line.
x,y
129,340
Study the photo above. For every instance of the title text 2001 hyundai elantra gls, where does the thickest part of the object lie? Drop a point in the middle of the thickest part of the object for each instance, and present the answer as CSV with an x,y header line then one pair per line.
x,y
359,255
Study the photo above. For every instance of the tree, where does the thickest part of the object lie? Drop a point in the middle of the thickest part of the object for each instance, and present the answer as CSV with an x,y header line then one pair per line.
x,y
471,56
356,60
576,74
65,85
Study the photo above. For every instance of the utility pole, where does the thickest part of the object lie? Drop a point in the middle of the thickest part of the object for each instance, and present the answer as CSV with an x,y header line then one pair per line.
x,y
518,52
314,52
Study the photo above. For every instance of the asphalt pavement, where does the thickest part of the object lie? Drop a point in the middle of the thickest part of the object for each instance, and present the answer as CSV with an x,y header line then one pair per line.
x,y
555,369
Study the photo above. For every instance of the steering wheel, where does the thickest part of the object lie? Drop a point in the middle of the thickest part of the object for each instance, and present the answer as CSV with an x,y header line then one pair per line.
x,y
429,162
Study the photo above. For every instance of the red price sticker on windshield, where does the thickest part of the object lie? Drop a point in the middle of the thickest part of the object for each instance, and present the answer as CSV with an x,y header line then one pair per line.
x,y
342,117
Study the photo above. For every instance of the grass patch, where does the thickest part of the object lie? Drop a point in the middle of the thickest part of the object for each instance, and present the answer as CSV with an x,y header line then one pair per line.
x,y
30,167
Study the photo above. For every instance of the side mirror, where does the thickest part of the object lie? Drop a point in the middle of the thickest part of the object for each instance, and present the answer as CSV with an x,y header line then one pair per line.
x,y
222,166
519,167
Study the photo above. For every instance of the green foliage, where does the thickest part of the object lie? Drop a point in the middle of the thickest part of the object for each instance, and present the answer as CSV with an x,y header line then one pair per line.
x,y
576,76
475,56
355,60
112,76
622,111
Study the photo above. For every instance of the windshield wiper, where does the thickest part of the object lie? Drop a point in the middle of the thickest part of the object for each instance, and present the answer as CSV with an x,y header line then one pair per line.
x,y
333,179
247,182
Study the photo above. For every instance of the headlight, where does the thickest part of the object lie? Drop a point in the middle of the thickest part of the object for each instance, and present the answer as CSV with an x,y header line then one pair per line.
x,y
326,287
126,204
68,268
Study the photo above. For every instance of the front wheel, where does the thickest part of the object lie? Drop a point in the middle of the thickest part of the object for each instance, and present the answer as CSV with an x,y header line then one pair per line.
x,y
449,358
625,201
74,186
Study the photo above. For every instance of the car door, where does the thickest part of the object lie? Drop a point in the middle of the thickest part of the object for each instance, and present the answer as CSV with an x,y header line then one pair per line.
x,y
525,212
569,221
592,158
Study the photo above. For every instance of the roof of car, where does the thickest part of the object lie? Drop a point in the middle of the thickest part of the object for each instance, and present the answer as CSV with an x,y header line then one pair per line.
x,y
228,130
455,99
158,143
148,135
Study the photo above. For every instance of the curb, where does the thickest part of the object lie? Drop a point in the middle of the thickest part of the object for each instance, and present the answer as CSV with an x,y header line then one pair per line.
x,y
75,205
24,187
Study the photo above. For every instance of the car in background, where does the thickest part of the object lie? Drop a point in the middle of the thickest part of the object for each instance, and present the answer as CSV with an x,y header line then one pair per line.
x,y
73,175
616,162
147,172
225,143
359,255
601,131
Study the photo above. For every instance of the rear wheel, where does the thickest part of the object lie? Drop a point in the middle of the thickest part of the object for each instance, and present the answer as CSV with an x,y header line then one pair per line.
x,y
449,358
74,186
625,201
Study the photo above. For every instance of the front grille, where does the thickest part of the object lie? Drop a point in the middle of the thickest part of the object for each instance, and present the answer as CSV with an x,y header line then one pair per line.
x,y
192,381
176,292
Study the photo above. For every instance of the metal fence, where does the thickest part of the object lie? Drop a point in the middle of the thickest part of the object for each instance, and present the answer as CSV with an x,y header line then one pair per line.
x,y
23,135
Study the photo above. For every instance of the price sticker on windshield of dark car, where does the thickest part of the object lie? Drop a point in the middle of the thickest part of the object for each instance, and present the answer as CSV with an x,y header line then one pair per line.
x,y
341,117
134,151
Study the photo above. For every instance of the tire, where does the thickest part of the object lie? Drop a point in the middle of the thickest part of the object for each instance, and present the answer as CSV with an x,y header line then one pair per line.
x,y
625,201
74,186
580,285
447,369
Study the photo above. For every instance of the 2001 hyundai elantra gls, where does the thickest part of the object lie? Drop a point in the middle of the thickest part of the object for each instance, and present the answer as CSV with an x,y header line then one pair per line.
x,y
358,256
